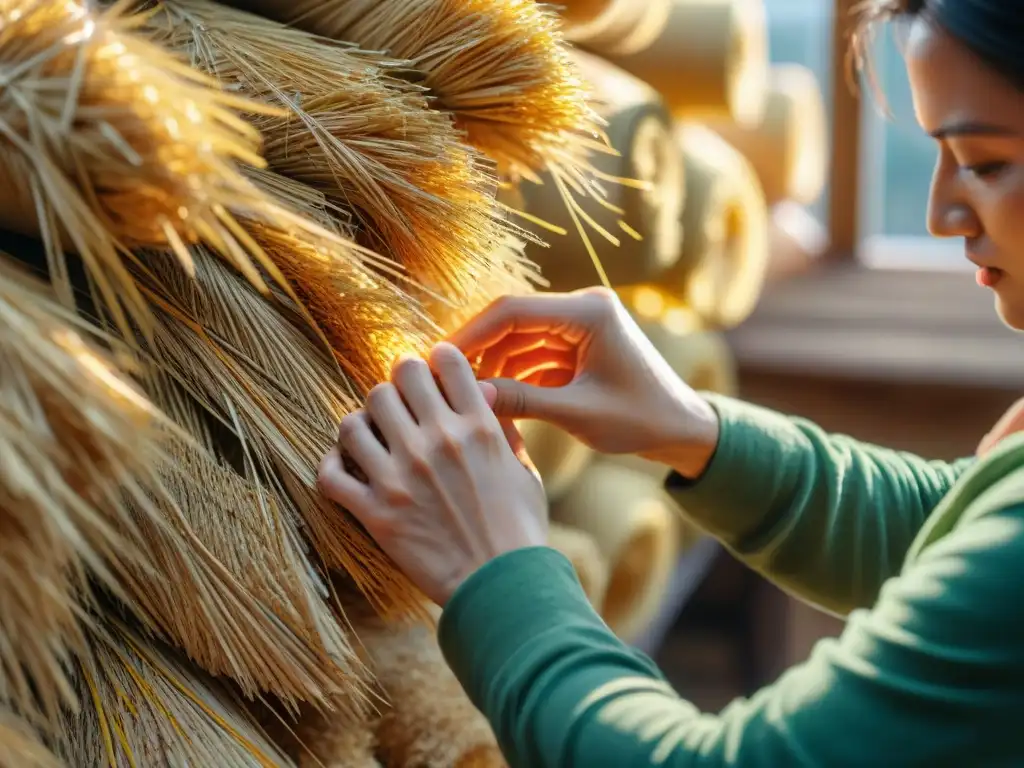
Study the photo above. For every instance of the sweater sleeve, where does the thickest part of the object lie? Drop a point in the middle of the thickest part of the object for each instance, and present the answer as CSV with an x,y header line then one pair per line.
x,y
933,675
824,516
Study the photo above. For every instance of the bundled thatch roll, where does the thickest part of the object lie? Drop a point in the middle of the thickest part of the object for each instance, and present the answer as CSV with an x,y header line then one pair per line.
x,y
586,558
558,456
796,239
725,248
633,522
788,146
254,312
707,58
500,67
142,706
80,447
109,141
368,140
616,27
637,212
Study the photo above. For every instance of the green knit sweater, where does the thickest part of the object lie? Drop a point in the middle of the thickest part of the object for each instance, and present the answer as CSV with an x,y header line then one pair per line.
x,y
926,560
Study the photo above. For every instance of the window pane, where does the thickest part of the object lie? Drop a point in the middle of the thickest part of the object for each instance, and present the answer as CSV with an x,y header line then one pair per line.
x,y
800,31
898,158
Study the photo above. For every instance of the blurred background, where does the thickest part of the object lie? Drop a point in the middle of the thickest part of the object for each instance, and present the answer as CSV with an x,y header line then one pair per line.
x,y
853,317
885,369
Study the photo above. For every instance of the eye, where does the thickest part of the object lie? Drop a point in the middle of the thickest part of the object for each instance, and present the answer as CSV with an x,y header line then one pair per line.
x,y
986,170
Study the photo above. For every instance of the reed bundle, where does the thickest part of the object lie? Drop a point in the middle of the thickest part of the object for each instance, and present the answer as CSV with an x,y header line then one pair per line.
x,y
367,139
143,706
78,448
108,142
253,370
20,746
500,66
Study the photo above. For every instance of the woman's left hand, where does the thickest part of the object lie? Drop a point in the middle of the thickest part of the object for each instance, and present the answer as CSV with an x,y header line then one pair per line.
x,y
450,488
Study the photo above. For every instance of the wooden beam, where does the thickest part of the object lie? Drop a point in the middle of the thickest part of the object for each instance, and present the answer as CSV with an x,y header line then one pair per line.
x,y
845,176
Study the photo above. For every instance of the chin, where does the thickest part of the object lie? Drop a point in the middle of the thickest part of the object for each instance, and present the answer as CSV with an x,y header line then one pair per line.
x,y
1011,311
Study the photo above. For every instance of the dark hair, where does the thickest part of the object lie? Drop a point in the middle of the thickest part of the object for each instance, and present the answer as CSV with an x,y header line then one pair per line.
x,y
993,30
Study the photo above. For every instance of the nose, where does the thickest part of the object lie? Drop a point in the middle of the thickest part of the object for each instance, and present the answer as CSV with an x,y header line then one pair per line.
x,y
949,212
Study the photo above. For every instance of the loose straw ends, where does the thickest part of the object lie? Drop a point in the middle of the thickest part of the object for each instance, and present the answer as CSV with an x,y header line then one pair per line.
x,y
107,142
143,705
78,444
20,746
367,139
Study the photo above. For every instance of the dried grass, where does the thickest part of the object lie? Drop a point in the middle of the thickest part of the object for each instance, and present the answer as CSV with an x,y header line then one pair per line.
x,y
107,142
78,445
21,746
501,66
144,706
361,135
503,69
229,581
248,366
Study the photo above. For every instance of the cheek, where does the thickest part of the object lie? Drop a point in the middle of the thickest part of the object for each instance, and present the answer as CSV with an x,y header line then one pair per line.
x,y
1000,208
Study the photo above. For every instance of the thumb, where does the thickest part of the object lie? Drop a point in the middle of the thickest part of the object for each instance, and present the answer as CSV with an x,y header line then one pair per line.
x,y
512,399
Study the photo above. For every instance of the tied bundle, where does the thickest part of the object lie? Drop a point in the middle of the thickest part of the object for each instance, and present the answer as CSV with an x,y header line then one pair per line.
x,y
361,135
79,452
109,142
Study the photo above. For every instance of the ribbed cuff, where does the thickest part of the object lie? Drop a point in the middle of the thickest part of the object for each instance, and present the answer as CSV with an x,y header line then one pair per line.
x,y
501,608
745,473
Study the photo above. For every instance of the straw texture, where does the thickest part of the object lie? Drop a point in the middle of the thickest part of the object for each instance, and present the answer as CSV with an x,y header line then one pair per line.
x,y
109,141
361,135
143,707
78,444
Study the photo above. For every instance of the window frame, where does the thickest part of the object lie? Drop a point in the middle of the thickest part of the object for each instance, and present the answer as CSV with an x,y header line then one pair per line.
x,y
919,320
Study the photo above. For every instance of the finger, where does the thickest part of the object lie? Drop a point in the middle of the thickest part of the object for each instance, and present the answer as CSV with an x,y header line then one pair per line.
x,y
489,391
538,313
525,365
417,387
355,436
518,444
550,378
495,358
391,415
341,487
457,379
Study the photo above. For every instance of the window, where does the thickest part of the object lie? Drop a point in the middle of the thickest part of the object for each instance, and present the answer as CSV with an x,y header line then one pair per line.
x,y
896,157
892,303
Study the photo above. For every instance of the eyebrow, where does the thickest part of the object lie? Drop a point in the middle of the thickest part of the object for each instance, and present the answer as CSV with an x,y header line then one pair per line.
x,y
972,128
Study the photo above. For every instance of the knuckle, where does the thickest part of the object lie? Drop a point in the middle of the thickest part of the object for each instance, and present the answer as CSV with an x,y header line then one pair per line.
x,y
420,465
604,299
348,427
376,394
394,494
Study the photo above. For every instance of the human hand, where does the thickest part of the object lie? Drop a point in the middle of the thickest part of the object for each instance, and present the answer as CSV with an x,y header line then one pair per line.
x,y
449,488
580,362
1010,423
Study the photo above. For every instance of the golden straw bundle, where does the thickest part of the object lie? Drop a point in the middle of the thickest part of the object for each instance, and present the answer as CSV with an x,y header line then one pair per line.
x,y
230,583
145,707
78,446
365,138
107,142
499,65
253,370
20,746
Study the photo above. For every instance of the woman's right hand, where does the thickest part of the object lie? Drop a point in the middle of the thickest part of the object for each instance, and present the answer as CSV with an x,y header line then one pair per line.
x,y
579,361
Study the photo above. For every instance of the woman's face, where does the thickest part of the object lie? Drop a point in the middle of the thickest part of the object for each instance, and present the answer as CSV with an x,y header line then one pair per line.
x,y
977,121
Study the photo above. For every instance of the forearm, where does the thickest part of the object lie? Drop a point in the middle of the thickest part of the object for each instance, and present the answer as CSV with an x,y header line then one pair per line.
x,y
825,516
930,677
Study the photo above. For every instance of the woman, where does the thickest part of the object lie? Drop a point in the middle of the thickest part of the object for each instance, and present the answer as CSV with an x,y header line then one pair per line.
x,y
925,558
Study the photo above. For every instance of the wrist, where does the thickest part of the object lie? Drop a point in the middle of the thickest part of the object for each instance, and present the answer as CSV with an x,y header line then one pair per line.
x,y
690,446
